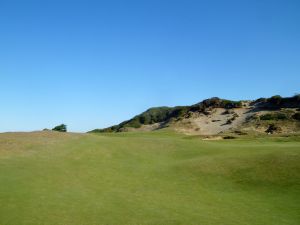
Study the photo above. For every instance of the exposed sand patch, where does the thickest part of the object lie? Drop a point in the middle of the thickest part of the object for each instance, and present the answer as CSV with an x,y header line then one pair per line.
x,y
218,121
214,138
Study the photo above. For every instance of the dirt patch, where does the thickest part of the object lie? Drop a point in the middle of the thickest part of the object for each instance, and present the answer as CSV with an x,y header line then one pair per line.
x,y
213,138
214,123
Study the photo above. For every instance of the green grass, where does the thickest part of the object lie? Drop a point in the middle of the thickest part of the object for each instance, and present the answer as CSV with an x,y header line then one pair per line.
x,y
148,178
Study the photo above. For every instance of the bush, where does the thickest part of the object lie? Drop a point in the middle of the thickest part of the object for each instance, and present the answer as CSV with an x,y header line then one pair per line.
x,y
272,129
178,112
135,123
277,99
60,128
232,104
260,100
229,121
296,116
235,115
266,117
229,137
144,120
281,116
277,102
219,103
211,102
240,132
275,116
296,97
227,111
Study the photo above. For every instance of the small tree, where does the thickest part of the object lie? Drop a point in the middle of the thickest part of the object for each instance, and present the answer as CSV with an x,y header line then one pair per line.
x,y
272,129
296,116
297,97
60,128
277,100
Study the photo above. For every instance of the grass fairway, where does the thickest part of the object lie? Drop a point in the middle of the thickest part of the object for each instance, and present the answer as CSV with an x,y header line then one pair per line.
x,y
148,178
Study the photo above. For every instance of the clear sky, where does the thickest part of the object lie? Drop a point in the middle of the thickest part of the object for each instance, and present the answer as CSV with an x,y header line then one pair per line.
x,y
91,64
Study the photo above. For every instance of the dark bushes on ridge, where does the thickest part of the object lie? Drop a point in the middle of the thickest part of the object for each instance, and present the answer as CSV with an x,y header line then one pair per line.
x,y
221,103
277,102
60,128
274,116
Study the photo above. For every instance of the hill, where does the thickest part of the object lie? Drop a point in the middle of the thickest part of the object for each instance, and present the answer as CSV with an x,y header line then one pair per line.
x,y
219,116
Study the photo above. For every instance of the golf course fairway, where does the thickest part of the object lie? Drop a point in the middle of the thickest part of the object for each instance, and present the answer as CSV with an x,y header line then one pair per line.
x,y
154,178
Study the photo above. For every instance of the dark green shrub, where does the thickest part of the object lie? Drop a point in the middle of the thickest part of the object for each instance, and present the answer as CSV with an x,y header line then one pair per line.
x,y
296,97
211,102
145,120
281,116
296,116
60,128
275,116
135,123
229,137
232,104
178,112
228,111
272,129
229,121
277,99
218,103
266,117
240,132
260,100
235,115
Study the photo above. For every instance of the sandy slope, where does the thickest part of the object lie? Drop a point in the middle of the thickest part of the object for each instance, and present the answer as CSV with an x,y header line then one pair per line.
x,y
217,121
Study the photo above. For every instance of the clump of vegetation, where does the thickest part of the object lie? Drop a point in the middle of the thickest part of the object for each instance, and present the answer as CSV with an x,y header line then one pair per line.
x,y
253,117
220,103
240,132
230,120
274,116
228,111
151,116
215,103
232,104
276,99
296,116
276,102
229,137
235,115
60,128
259,100
273,129
105,130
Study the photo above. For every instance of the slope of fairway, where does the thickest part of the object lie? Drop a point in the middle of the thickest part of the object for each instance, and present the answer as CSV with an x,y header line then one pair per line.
x,y
147,178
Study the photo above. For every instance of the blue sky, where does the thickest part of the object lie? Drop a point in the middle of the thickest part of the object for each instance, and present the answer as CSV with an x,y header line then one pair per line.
x,y
92,64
